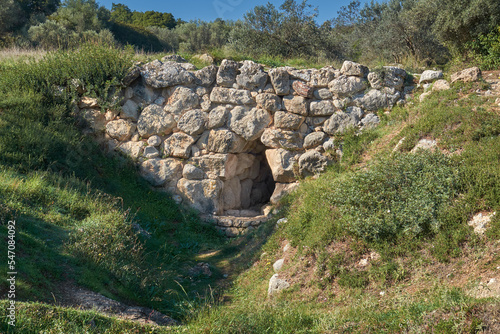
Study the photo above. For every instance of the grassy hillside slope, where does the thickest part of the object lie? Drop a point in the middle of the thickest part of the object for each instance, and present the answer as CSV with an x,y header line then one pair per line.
x,y
379,243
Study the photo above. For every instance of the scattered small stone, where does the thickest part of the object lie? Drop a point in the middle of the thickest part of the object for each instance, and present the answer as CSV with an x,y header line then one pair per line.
x,y
282,221
278,265
424,144
287,247
382,293
276,285
480,221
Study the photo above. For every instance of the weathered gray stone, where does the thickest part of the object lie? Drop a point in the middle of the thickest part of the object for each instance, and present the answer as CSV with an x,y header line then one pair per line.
x,y
280,80
355,69
191,172
296,104
314,139
151,152
430,76
248,123
178,145
323,94
288,121
154,140
302,89
154,120
192,122
246,190
440,84
304,74
132,74
276,138
88,102
369,121
95,119
347,85
159,75
159,171
206,76
321,77
373,100
145,93
129,110
131,148
252,76
225,141
467,75
231,95
321,108
282,163
217,117
278,265
203,195
120,129
232,193
311,163
340,122
276,285
223,166
181,100
281,190
270,102
226,76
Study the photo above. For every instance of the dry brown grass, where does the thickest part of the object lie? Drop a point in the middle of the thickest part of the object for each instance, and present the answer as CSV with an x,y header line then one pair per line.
x,y
16,54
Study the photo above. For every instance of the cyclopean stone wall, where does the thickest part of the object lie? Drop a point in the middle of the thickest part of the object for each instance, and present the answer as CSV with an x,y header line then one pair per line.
x,y
227,139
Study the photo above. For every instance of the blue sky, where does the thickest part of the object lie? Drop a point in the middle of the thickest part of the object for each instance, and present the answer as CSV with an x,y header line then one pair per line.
x,y
209,10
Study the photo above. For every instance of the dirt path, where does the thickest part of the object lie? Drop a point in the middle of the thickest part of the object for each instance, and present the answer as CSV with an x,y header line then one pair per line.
x,y
81,298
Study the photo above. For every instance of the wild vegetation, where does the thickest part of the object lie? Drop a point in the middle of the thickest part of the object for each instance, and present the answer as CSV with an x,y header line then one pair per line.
x,y
411,31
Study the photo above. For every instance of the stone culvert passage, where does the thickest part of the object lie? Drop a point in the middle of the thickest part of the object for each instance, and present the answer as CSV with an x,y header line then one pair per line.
x,y
225,140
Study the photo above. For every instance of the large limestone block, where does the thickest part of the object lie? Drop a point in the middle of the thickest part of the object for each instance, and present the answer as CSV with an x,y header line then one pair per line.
x,y
145,93
287,121
159,172
191,172
226,76
155,121
231,95
120,129
322,77
182,99
430,76
267,101
231,194
178,145
373,100
467,75
246,190
388,77
203,195
159,75
95,119
252,76
217,117
206,76
248,123
277,138
280,80
302,89
342,121
129,110
225,141
303,74
311,163
283,164
314,139
347,85
296,104
218,165
354,69
132,149
323,94
322,108
281,190
192,122
369,121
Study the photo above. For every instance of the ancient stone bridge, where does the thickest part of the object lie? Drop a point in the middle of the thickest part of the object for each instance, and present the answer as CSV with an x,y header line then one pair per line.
x,y
226,140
